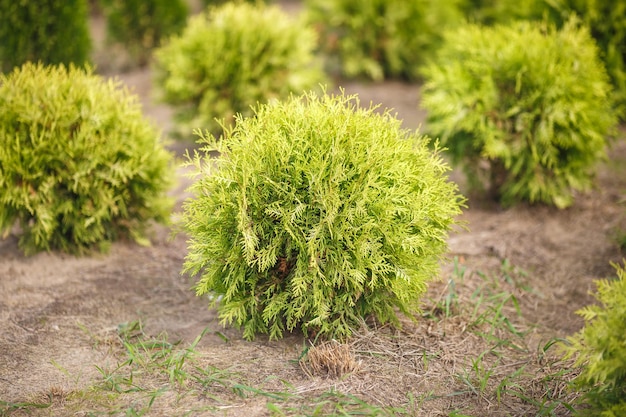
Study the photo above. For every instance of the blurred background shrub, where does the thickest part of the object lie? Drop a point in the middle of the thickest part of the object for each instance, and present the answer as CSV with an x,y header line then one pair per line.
x,y
231,57
49,31
606,21
524,108
139,26
208,3
379,39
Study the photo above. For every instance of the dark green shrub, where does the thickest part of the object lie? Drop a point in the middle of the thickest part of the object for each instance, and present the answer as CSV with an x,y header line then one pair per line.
x,y
381,38
600,349
141,25
232,57
50,31
79,165
319,213
524,108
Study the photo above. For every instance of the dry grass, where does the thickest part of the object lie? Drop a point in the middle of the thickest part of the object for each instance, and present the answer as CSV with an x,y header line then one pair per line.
x,y
470,352
329,358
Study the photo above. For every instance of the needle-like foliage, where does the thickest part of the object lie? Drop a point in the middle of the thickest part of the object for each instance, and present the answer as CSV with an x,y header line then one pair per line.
x,y
606,21
79,165
525,108
317,213
49,31
140,26
380,39
230,57
600,349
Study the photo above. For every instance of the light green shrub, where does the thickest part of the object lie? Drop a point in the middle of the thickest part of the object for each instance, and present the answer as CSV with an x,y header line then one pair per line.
x,y
50,31
525,109
79,165
605,19
607,23
381,38
317,214
231,57
212,3
490,12
141,25
600,349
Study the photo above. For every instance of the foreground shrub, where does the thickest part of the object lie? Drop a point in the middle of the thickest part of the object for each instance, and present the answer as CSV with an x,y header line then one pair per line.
x,y
50,31
318,214
231,57
79,165
140,25
600,349
524,108
381,38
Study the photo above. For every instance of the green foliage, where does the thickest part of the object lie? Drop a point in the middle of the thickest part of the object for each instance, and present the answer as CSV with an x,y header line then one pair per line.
x,y
140,25
525,108
600,349
606,21
209,3
490,12
381,38
318,213
231,57
79,165
50,31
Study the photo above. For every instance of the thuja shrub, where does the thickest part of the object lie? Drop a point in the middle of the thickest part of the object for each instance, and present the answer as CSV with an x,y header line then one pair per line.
x,y
490,12
600,349
525,109
317,213
607,23
79,165
379,39
140,25
50,31
231,57
208,3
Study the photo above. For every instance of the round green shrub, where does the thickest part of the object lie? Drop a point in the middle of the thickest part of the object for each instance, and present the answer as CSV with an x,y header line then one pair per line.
x,y
317,214
79,165
140,25
50,31
524,108
600,349
231,57
606,21
380,39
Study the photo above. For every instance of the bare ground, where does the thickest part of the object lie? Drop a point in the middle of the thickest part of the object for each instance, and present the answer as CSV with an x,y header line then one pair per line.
x,y
60,315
